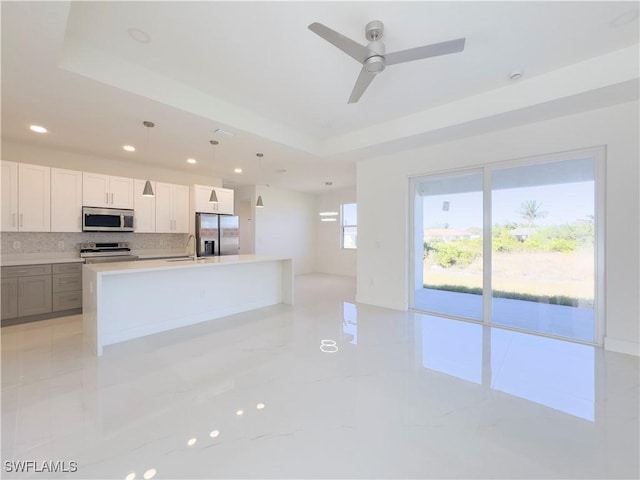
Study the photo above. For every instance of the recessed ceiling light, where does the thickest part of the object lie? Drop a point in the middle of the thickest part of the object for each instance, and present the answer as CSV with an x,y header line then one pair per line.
x,y
517,75
37,129
191,160
131,476
237,170
192,442
224,132
139,35
214,433
239,412
260,406
129,148
150,473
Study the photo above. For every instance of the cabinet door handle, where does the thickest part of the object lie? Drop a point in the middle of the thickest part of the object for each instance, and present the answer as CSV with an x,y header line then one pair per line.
x,y
106,200
112,199
21,219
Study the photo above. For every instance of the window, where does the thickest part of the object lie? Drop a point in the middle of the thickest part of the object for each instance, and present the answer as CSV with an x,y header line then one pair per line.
x,y
349,219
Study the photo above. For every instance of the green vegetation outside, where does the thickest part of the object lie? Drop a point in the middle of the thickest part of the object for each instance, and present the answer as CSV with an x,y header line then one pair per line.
x,y
554,238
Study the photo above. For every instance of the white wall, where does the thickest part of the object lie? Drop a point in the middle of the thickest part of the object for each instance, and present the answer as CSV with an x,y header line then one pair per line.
x,y
60,158
383,268
330,257
244,207
286,226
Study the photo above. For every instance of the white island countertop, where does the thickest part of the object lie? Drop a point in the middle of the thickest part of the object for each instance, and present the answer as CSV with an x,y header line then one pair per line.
x,y
127,300
176,264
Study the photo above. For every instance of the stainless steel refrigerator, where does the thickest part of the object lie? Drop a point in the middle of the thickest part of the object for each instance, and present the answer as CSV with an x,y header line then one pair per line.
x,y
217,234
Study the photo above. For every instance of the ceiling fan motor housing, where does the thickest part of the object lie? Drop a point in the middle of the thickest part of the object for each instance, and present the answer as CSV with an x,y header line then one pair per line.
x,y
374,30
375,63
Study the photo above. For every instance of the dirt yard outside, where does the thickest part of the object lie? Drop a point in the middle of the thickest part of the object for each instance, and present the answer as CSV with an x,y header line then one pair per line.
x,y
537,273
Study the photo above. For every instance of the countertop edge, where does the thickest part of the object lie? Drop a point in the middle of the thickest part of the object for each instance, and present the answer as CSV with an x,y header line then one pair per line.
x,y
160,265
40,261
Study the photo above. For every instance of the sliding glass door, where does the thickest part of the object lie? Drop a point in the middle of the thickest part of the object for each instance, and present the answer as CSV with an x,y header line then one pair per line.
x,y
511,244
543,238
451,243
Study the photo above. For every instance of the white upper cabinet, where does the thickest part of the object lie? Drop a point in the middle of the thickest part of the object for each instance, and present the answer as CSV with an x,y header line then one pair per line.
x,y
201,195
106,191
172,208
34,198
121,192
95,190
225,201
9,196
66,200
181,208
144,208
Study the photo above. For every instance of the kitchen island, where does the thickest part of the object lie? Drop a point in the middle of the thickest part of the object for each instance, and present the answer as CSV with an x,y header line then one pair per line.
x,y
126,300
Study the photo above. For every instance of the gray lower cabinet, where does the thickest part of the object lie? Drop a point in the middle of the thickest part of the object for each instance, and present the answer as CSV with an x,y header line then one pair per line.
x,y
67,286
9,291
41,289
34,295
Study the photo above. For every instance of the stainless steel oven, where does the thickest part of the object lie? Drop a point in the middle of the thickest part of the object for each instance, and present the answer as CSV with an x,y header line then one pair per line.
x,y
107,220
102,252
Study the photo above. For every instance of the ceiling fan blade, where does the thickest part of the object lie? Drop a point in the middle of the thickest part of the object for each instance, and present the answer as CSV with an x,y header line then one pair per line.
x,y
348,46
363,81
426,51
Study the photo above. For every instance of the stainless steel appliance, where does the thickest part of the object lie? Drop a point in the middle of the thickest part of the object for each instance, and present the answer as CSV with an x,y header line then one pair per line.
x,y
217,234
102,252
107,220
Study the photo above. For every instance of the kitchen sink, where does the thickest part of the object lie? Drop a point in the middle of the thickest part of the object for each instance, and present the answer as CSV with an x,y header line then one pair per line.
x,y
185,259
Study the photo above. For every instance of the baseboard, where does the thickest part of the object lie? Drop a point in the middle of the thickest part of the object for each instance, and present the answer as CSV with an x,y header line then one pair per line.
x,y
42,316
622,346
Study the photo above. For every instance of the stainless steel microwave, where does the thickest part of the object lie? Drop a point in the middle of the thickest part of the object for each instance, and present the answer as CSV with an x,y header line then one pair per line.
x,y
107,220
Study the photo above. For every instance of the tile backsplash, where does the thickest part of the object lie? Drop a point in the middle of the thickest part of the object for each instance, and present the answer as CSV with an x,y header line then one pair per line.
x,y
69,243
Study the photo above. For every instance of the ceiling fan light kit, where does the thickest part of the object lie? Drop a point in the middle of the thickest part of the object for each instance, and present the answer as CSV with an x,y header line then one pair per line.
x,y
374,58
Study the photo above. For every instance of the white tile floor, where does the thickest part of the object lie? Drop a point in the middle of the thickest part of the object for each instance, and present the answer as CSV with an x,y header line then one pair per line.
x,y
404,396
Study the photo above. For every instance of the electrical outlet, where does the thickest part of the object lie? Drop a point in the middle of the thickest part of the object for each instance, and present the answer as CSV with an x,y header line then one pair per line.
x,y
17,245
61,245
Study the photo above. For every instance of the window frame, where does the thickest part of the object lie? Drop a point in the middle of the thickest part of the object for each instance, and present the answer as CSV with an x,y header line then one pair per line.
x,y
343,226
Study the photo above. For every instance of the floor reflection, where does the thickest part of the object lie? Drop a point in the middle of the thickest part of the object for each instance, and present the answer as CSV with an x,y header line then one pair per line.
x,y
551,372
350,322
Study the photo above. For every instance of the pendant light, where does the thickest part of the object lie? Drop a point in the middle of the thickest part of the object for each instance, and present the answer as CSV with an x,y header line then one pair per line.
x,y
148,189
214,196
259,203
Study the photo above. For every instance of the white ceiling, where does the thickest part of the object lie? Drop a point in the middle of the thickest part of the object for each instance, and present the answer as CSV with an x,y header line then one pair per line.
x,y
255,69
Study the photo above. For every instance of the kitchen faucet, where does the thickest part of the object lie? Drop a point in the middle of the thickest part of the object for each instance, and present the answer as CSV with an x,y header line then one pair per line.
x,y
195,250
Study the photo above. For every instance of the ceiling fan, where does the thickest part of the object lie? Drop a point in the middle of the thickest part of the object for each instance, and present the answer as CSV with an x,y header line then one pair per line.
x,y
373,57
